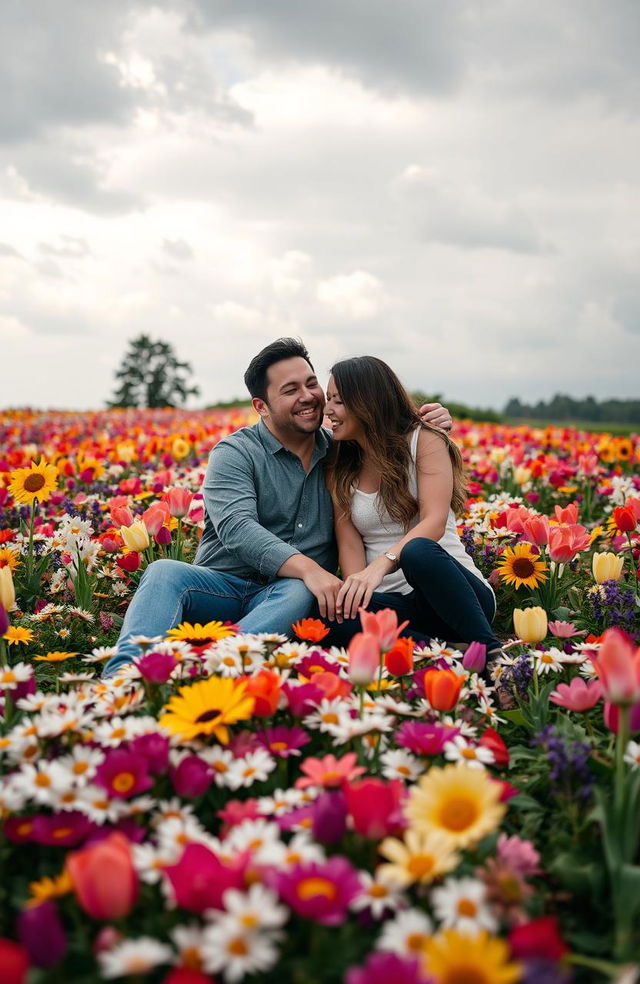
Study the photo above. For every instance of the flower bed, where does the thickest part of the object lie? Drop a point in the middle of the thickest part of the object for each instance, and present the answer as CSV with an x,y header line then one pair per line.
x,y
254,807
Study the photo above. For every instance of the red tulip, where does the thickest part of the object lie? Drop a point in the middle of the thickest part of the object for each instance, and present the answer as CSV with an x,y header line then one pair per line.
x,y
178,500
491,739
14,962
264,687
442,688
129,562
375,807
539,938
104,878
625,518
399,659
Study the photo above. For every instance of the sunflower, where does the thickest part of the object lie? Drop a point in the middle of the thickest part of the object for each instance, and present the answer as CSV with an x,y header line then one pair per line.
x,y
206,708
9,558
56,657
36,482
201,635
452,957
18,634
520,565
460,802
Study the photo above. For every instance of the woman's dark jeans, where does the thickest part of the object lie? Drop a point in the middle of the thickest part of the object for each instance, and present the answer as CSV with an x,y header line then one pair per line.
x,y
447,601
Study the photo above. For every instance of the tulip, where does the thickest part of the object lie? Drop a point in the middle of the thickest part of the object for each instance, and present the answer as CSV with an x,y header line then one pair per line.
x,y
178,500
329,817
192,777
568,514
364,658
612,718
264,687
607,567
475,658
135,536
14,962
566,541
618,666
539,938
129,562
7,590
577,695
163,537
104,878
156,667
536,530
442,688
4,620
383,625
375,807
399,659
625,518
41,933
530,624
155,517
121,515
200,879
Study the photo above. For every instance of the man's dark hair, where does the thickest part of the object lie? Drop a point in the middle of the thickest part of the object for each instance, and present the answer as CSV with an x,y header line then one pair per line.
x,y
255,377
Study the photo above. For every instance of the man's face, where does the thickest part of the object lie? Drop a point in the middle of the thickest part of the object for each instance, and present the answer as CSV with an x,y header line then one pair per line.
x,y
294,402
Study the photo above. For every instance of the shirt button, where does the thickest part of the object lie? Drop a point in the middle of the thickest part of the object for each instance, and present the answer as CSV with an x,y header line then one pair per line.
x,y
299,526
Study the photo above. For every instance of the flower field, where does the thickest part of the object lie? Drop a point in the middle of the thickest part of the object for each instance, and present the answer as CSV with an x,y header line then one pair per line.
x,y
234,808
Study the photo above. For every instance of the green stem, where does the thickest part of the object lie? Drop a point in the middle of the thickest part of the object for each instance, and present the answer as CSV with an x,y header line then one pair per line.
x,y
602,966
30,548
3,653
621,746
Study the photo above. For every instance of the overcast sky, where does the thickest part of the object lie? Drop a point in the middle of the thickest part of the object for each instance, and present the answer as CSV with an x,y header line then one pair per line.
x,y
450,185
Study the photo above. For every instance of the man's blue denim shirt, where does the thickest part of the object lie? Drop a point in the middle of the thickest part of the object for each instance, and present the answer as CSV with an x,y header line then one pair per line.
x,y
261,508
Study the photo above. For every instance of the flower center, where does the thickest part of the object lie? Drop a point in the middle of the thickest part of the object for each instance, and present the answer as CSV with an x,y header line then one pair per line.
x,y
458,813
310,888
61,832
33,483
278,746
378,891
123,782
464,974
415,941
237,947
207,716
523,567
420,865
467,907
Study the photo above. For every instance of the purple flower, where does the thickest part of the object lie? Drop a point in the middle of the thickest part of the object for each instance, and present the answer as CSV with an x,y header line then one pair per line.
x,y
283,742
192,777
42,935
319,891
387,968
424,739
124,773
154,747
329,814
62,829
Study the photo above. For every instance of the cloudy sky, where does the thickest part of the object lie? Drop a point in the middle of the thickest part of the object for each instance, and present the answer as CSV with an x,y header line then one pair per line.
x,y
449,184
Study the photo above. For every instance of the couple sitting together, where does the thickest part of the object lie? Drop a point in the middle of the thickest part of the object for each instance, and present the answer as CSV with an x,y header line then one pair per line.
x,y
288,503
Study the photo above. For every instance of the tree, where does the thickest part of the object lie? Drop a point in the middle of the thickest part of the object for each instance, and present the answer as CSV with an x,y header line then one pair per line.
x,y
150,375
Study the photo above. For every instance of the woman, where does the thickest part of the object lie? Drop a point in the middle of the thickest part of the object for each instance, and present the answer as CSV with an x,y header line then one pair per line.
x,y
396,486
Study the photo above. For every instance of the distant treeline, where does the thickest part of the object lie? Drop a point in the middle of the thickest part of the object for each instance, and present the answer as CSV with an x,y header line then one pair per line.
x,y
563,407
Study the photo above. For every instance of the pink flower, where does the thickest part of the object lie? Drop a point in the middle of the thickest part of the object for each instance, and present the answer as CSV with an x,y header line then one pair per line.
x,y
320,891
157,667
515,518
618,666
155,517
567,514
475,658
612,717
178,500
236,811
121,515
383,625
191,777
518,854
123,773
282,741
329,771
423,738
387,968
536,530
200,879
577,695
566,541
66,829
364,658
375,807
564,630
104,878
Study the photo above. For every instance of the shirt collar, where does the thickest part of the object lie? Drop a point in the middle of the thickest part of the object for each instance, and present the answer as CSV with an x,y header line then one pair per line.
x,y
273,445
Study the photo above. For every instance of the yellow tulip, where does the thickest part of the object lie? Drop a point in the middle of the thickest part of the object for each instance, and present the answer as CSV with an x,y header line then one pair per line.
x,y
135,536
530,624
7,590
521,475
607,567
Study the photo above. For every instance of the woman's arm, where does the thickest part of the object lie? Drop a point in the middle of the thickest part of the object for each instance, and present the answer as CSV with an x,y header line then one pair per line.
x,y
352,560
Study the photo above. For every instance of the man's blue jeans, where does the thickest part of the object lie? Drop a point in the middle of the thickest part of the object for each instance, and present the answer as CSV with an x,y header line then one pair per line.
x,y
171,592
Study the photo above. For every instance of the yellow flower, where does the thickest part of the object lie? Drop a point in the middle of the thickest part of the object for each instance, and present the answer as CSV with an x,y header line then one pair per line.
x,y
201,635
136,536
520,565
50,888
18,634
55,657
36,482
7,590
206,708
595,533
420,857
607,567
452,957
531,624
9,558
457,801
180,448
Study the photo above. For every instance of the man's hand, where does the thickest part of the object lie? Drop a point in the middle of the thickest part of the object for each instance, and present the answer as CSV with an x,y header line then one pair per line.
x,y
325,587
357,589
436,415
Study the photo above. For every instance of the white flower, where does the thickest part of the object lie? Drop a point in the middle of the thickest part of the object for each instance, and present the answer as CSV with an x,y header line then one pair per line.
x,y
546,660
397,763
175,833
254,909
43,782
406,934
327,715
149,861
462,904
236,952
220,760
301,849
251,835
254,767
379,894
460,750
188,942
281,801
11,676
632,754
134,957
94,802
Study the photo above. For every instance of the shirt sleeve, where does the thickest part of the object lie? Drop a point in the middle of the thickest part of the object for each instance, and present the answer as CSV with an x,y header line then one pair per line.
x,y
230,499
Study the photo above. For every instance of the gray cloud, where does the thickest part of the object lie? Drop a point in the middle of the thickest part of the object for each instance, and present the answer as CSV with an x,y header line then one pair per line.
x,y
177,249
70,246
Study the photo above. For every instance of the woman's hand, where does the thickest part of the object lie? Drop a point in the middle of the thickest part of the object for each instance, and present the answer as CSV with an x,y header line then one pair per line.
x,y
436,415
357,589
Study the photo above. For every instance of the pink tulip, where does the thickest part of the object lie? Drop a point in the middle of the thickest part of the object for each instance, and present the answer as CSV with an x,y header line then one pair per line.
x,y
104,878
516,518
375,807
200,879
383,625
121,515
536,530
178,500
475,658
577,695
566,541
588,464
568,514
364,658
612,717
618,666
156,516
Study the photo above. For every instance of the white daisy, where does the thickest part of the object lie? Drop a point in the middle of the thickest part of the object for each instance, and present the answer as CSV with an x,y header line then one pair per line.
x,y
253,836
188,942
398,763
632,754
39,782
460,750
134,957
301,849
94,802
257,908
220,759
281,801
461,904
254,767
236,952
406,934
379,894
327,715
547,660
11,676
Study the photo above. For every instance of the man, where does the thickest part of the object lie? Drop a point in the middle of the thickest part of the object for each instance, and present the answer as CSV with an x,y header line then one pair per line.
x,y
267,556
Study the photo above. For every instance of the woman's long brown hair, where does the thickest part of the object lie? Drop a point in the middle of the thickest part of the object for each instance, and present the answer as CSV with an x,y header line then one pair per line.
x,y
373,393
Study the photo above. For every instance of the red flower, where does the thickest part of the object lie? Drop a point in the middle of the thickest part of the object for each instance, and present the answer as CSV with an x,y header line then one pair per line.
x,y
129,562
538,938
375,807
399,659
492,740
199,879
104,879
264,687
14,962
442,688
310,629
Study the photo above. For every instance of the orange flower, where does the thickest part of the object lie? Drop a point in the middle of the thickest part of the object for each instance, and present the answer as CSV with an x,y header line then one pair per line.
x,y
104,878
399,659
442,688
57,657
310,629
264,687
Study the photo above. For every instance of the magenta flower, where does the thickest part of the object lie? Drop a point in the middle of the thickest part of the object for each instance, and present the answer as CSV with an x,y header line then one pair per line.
x,y
62,829
192,777
315,662
302,698
123,773
157,667
423,738
298,819
577,695
200,878
475,658
236,811
319,891
387,968
329,812
283,742
375,807
154,747
42,935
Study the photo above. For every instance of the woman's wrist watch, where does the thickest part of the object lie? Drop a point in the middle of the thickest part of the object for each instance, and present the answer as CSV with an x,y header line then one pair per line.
x,y
393,558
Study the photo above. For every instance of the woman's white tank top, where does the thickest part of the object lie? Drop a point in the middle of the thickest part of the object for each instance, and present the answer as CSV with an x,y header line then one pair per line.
x,y
379,531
